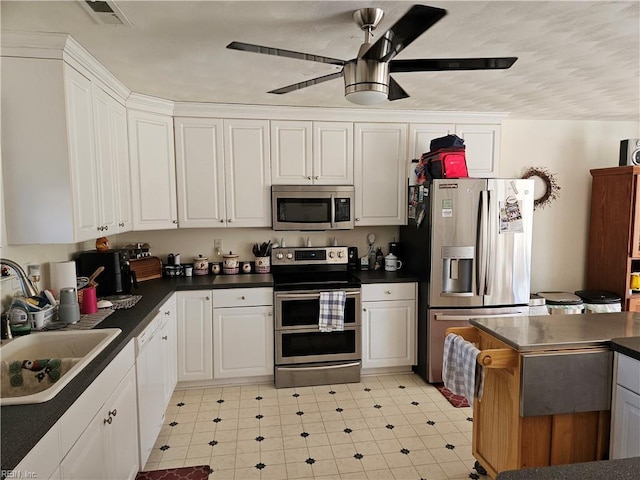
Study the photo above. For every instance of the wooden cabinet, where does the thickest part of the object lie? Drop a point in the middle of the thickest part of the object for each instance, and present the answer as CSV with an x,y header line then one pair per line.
x,y
388,325
222,173
108,448
311,153
625,413
614,232
67,153
242,332
153,171
195,340
380,155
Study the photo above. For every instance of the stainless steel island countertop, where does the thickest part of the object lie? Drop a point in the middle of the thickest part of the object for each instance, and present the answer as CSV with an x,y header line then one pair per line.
x,y
526,334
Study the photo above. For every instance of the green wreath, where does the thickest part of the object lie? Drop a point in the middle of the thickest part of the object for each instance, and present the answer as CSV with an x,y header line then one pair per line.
x,y
552,188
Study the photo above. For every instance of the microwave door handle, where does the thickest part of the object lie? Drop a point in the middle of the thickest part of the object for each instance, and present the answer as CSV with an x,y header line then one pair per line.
x,y
333,210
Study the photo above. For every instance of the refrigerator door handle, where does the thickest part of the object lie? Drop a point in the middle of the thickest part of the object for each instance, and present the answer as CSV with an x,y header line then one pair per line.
x,y
481,248
458,318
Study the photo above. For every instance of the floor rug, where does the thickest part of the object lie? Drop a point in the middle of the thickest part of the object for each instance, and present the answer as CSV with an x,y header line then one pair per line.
x,y
201,472
455,400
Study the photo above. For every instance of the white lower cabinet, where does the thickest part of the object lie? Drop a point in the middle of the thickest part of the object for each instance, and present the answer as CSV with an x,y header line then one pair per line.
x,y
195,340
625,421
388,325
108,448
242,332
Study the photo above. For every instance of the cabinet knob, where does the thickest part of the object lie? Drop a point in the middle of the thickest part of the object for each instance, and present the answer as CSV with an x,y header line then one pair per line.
x,y
107,420
165,338
222,221
206,298
242,297
168,312
106,227
364,309
175,222
99,229
270,314
121,224
316,177
357,219
229,220
308,178
388,292
113,413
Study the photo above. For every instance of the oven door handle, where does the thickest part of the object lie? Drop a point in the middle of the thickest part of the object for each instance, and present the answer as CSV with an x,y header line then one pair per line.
x,y
304,296
318,367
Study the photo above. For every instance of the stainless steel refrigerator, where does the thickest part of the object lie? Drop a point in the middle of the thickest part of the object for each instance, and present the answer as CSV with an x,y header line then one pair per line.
x,y
469,242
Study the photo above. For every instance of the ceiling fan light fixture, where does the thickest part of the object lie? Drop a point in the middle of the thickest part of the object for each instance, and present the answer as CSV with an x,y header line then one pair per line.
x,y
366,97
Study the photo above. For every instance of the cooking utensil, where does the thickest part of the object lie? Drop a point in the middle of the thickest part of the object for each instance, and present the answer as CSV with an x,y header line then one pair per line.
x,y
263,249
93,276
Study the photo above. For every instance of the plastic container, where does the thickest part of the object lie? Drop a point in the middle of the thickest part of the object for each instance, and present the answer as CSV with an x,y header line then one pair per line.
x,y
537,305
38,320
562,303
600,301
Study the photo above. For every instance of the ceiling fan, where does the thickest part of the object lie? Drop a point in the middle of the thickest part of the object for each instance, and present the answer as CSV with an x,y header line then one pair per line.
x,y
367,78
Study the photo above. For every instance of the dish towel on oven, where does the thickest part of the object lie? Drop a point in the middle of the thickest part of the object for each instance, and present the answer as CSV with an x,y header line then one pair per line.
x,y
461,372
332,311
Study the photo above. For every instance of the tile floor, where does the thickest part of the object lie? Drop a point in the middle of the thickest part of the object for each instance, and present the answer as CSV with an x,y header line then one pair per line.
x,y
393,427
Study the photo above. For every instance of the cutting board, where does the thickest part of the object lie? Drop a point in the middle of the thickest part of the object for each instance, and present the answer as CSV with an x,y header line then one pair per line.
x,y
146,268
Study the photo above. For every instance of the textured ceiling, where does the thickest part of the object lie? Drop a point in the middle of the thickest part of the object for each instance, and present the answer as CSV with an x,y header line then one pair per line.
x,y
577,60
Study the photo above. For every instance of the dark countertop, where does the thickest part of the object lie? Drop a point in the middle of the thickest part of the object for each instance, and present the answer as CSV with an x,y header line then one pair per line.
x,y
623,469
629,346
24,425
534,333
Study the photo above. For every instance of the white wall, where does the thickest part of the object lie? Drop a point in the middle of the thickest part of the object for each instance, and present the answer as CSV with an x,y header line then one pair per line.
x,y
568,149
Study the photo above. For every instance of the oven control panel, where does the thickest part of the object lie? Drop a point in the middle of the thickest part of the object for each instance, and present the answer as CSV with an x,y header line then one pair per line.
x,y
310,256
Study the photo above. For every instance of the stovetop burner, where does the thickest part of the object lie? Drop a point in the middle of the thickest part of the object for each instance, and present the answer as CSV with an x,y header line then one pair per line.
x,y
307,268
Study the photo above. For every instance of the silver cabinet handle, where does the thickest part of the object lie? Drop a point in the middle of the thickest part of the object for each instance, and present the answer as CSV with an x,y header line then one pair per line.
x,y
175,222
357,219
106,227
121,224
165,338
113,413
168,312
107,420
316,177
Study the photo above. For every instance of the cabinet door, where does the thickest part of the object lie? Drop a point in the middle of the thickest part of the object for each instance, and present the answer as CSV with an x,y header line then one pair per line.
x,y
635,232
482,144
243,341
333,153
121,151
122,431
106,161
247,173
380,174
626,424
200,172
195,347
389,333
82,154
291,153
153,176
87,459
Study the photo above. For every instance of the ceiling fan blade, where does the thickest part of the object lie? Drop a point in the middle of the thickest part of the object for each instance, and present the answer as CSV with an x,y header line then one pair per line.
x,y
308,83
439,64
279,52
396,92
414,23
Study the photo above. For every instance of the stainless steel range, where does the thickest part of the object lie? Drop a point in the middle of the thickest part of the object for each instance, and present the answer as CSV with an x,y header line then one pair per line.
x,y
305,355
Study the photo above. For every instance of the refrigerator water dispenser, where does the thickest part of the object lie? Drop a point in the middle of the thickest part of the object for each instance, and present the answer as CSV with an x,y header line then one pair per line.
x,y
457,270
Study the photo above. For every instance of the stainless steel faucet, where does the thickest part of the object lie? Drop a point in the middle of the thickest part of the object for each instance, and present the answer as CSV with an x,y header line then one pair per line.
x,y
28,288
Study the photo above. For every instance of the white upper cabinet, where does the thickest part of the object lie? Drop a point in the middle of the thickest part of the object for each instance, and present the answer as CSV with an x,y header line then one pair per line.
x,y
67,154
380,173
311,153
420,136
200,172
121,152
223,172
483,148
247,173
153,175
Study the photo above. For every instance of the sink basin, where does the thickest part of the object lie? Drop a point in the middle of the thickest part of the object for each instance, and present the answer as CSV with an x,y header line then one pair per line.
x,y
75,348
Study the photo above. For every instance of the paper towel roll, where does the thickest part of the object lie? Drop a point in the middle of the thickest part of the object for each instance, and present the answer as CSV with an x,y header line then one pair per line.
x,y
63,274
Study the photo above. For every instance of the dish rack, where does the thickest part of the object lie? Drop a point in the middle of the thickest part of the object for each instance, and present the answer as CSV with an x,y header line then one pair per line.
x,y
37,320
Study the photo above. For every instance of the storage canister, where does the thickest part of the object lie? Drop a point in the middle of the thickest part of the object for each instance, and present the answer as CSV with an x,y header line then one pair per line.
x,y
560,303
600,301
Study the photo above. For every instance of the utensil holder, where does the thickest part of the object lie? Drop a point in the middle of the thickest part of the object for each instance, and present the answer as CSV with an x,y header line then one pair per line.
x,y
263,264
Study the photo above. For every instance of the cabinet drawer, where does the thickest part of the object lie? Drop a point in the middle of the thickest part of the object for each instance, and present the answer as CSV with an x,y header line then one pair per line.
x,y
242,297
628,373
388,291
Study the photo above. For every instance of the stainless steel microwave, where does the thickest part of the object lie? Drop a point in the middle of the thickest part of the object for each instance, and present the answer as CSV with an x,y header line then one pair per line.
x,y
312,207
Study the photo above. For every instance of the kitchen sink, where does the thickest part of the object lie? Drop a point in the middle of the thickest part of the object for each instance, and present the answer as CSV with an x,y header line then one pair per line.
x,y
74,349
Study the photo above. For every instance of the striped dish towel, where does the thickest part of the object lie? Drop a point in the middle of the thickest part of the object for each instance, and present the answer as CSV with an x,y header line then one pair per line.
x,y
332,311
460,370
